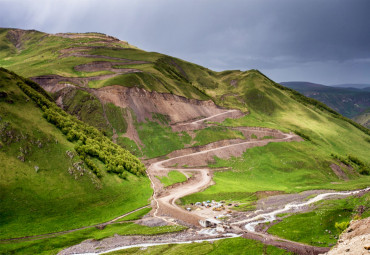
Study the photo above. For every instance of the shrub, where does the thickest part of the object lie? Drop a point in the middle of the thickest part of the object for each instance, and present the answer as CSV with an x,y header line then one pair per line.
x,y
304,136
341,226
90,142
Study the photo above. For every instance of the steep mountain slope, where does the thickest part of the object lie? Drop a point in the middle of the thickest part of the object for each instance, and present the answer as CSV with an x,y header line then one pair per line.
x,y
133,95
45,186
363,118
152,104
349,102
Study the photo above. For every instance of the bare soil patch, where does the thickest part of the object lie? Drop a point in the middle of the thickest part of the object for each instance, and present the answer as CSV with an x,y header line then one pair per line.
x,y
338,171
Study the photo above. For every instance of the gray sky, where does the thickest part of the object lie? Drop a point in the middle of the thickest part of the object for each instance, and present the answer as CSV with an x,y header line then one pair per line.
x,y
322,41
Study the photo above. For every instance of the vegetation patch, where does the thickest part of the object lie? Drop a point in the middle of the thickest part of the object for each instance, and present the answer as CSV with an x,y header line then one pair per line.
x,y
319,105
90,143
260,101
172,178
55,244
115,116
225,246
353,162
129,145
323,226
136,215
216,133
275,167
45,186
86,108
160,140
242,197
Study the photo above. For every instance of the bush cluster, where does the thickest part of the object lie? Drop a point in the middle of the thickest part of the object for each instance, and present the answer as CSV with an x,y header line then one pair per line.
x,y
304,136
90,142
362,167
341,226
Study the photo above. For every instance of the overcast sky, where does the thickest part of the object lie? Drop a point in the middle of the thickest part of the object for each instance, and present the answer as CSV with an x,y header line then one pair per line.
x,y
323,41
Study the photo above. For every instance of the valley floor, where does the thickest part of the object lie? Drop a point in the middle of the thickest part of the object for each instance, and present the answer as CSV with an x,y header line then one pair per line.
x,y
238,224
220,179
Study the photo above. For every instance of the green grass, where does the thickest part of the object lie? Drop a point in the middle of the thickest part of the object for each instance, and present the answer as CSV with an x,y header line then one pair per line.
x,y
313,227
89,109
172,178
276,166
288,167
244,197
363,118
160,140
51,199
115,117
141,80
216,133
136,215
55,244
225,246
41,54
129,145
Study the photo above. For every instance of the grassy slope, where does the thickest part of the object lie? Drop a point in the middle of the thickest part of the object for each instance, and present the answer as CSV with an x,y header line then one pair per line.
x,y
363,118
226,246
347,101
88,109
159,139
136,215
269,106
172,178
213,134
51,199
129,145
55,244
289,167
318,227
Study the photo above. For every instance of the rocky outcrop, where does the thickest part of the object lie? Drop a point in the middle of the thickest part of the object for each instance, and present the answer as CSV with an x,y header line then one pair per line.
x,y
355,240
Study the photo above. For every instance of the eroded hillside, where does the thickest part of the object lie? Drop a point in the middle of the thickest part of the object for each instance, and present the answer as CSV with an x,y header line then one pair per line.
x,y
220,134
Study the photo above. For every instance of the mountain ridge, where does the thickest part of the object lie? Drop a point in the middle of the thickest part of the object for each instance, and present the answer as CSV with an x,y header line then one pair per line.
x,y
158,106
348,101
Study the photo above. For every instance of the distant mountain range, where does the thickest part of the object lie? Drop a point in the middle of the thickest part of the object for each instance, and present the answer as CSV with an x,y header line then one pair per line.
x,y
351,100
353,85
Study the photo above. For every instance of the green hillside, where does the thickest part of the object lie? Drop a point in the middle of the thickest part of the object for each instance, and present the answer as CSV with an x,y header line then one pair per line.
x,y
69,168
347,101
45,186
363,118
268,103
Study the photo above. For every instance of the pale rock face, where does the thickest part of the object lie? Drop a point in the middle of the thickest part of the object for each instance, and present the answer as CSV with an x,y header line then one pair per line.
x,y
355,240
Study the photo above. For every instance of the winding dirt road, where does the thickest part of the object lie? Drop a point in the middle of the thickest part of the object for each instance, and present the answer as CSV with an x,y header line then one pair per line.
x,y
165,204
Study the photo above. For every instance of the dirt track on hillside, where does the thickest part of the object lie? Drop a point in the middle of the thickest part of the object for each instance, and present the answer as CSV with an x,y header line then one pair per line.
x,y
180,110
48,235
165,202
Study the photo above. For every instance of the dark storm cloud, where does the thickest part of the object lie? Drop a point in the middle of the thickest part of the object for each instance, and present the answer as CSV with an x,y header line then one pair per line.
x,y
324,41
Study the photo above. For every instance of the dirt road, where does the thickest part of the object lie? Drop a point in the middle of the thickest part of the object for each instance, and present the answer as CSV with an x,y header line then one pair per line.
x,y
165,204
